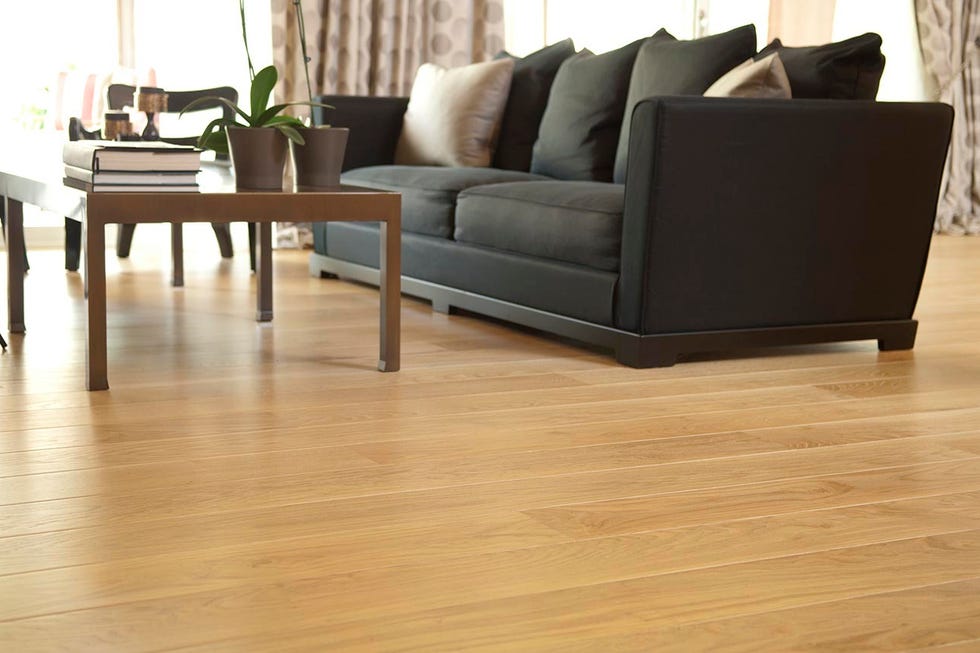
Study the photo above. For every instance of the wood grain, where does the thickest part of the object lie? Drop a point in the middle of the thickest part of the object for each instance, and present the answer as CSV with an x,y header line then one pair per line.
x,y
257,488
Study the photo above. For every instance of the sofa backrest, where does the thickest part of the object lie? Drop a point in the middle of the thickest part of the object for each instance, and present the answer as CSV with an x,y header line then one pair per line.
x,y
375,124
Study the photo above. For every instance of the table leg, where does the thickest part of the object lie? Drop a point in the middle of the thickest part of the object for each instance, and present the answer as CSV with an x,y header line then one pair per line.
x,y
96,365
391,281
177,253
263,273
15,265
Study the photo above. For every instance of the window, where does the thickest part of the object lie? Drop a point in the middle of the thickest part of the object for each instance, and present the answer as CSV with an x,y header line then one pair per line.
x,y
606,25
187,43
48,38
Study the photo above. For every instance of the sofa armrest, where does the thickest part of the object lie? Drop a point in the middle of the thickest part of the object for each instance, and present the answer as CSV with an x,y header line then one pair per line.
x,y
375,124
754,213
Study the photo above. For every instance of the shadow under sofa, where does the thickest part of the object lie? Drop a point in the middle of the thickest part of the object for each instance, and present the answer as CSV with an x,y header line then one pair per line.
x,y
741,223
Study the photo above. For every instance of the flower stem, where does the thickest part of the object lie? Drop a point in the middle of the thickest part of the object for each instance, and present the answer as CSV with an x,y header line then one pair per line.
x,y
301,26
248,55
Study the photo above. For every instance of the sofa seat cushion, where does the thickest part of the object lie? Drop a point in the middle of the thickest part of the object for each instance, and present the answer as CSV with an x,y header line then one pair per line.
x,y
571,221
429,192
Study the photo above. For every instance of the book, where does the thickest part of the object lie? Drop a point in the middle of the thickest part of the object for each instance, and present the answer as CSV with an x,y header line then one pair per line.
x,y
141,156
129,188
175,178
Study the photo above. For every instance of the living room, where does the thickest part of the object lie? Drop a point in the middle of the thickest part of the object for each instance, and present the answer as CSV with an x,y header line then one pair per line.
x,y
633,326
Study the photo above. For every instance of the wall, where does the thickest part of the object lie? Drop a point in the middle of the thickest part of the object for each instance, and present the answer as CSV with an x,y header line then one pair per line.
x,y
801,22
723,15
905,77
613,23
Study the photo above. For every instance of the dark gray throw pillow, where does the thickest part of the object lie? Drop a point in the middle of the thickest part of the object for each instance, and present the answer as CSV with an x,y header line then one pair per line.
x,y
672,67
577,137
529,88
846,70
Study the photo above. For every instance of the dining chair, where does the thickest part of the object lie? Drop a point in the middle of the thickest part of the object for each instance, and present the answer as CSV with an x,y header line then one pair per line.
x,y
120,96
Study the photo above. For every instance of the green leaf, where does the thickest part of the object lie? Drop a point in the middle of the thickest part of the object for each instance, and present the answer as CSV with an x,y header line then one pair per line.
x,y
268,114
262,87
217,141
211,99
284,120
212,126
273,110
291,133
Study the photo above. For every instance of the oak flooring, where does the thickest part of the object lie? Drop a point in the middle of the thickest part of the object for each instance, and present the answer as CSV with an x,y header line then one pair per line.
x,y
247,487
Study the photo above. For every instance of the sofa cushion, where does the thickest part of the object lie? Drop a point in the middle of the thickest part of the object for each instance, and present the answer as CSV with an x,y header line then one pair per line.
x,y
533,76
672,67
764,79
573,222
453,114
580,126
846,70
429,192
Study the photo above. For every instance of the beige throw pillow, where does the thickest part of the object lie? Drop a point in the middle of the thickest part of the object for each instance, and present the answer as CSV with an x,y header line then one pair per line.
x,y
765,78
454,114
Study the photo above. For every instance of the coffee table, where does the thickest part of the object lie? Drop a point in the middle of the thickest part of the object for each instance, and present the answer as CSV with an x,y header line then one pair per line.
x,y
31,182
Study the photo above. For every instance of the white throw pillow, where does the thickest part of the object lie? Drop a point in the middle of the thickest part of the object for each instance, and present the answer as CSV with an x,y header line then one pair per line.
x,y
454,114
765,78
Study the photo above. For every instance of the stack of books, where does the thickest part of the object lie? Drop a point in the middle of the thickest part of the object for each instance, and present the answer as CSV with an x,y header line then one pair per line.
x,y
131,167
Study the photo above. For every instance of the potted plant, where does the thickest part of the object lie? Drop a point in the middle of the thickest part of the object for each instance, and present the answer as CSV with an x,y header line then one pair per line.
x,y
317,158
255,140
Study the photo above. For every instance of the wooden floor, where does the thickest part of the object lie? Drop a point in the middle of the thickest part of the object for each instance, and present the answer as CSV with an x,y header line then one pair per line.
x,y
249,487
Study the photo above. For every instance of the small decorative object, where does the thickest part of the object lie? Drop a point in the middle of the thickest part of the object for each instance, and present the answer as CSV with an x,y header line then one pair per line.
x,y
151,100
261,136
116,126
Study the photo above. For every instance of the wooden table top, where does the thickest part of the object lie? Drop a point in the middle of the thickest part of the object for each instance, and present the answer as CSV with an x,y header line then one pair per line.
x,y
31,170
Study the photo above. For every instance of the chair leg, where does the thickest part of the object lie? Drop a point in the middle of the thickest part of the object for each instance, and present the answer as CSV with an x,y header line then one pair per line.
x,y
124,239
73,244
3,232
222,232
251,245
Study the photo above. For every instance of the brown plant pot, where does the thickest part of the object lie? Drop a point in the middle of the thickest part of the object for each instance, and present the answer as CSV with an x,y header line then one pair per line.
x,y
258,156
318,162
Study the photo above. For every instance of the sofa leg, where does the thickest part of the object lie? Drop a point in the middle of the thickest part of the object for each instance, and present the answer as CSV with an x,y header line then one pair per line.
x,y
442,306
643,352
899,338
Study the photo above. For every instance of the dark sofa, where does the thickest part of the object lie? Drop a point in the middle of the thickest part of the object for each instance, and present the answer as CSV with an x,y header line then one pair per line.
x,y
741,223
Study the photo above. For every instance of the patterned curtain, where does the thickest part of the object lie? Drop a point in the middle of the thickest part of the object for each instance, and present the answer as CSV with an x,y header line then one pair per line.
x,y
374,47
947,33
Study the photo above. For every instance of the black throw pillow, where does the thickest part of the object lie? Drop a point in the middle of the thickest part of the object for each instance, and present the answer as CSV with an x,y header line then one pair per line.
x,y
577,137
672,67
846,70
529,88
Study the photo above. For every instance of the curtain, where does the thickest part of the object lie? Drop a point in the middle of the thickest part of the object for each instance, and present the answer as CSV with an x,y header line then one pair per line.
x,y
374,47
947,29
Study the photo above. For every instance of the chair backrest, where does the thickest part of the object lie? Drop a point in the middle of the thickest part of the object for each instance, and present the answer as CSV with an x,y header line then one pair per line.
x,y
120,96
76,132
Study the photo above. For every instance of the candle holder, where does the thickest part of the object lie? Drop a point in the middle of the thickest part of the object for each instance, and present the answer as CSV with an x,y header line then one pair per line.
x,y
116,126
151,100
